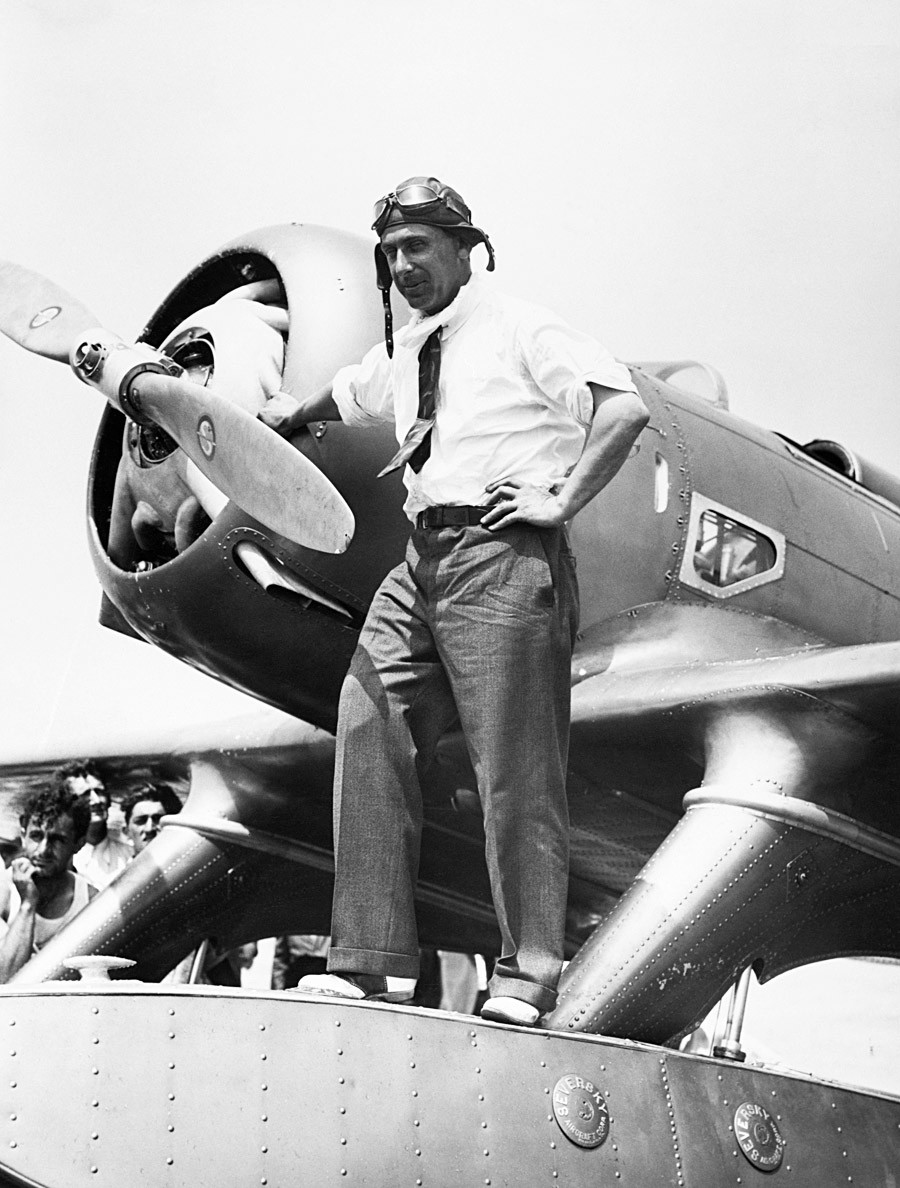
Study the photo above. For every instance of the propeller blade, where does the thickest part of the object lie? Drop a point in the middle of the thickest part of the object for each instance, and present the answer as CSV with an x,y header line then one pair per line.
x,y
39,315
250,463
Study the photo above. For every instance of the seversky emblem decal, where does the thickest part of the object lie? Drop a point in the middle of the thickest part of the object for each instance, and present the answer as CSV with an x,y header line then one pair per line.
x,y
206,436
43,316
758,1136
581,1113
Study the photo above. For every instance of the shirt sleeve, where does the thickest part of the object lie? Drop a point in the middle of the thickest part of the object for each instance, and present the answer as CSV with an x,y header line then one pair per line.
x,y
562,361
363,392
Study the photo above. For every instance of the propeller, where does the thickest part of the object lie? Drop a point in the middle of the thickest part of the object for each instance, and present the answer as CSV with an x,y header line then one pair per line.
x,y
249,463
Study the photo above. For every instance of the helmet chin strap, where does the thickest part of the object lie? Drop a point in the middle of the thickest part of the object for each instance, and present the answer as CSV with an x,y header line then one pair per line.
x,y
383,274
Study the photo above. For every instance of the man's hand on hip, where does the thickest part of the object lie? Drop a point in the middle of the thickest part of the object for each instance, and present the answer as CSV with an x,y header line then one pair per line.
x,y
512,502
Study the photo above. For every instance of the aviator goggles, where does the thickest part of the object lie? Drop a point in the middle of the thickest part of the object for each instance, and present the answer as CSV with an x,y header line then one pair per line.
x,y
409,197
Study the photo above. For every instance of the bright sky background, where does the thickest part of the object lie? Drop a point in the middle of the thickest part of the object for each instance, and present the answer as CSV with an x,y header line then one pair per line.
x,y
683,178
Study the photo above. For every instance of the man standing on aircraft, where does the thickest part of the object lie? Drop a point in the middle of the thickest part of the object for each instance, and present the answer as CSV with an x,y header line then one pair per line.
x,y
510,422
44,893
102,856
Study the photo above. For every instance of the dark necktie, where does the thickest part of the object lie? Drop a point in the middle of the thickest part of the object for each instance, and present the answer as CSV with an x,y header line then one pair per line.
x,y
417,444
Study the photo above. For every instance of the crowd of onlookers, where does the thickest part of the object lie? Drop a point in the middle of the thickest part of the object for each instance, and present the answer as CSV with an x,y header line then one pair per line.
x,y
60,850
69,840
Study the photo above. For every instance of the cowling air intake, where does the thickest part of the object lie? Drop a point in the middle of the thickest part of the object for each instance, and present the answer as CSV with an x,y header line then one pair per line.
x,y
421,200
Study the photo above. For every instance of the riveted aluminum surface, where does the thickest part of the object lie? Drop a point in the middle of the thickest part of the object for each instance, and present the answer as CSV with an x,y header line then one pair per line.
x,y
830,1135
740,887
199,1087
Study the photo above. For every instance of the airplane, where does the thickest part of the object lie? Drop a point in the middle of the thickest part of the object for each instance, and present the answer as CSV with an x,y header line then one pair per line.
x,y
733,761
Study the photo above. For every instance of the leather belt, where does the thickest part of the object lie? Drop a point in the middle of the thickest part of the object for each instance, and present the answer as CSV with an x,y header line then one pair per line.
x,y
450,515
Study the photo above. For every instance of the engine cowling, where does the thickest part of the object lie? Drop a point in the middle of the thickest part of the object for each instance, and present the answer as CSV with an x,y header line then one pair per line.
x,y
224,593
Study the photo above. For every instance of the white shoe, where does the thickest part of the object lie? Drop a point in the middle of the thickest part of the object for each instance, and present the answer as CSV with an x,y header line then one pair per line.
x,y
371,987
510,1010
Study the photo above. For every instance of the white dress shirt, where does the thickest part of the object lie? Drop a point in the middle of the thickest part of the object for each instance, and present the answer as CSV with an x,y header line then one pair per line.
x,y
101,863
513,401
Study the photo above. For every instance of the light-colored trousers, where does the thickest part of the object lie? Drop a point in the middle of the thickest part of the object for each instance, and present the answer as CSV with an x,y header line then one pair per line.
x,y
481,624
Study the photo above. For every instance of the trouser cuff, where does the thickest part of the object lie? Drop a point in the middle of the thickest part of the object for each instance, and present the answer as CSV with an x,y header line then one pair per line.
x,y
369,961
538,996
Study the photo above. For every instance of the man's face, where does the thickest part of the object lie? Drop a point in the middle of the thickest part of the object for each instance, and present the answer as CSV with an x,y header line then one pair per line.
x,y
96,793
143,824
50,844
427,265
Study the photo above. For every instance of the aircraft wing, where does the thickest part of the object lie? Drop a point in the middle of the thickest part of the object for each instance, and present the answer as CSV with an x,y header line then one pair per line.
x,y
862,681
137,748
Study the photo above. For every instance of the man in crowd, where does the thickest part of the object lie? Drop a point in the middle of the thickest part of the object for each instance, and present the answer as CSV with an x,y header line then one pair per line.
x,y
102,856
509,422
144,809
43,893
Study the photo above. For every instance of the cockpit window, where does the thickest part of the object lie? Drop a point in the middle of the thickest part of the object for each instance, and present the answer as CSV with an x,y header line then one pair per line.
x,y
728,552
